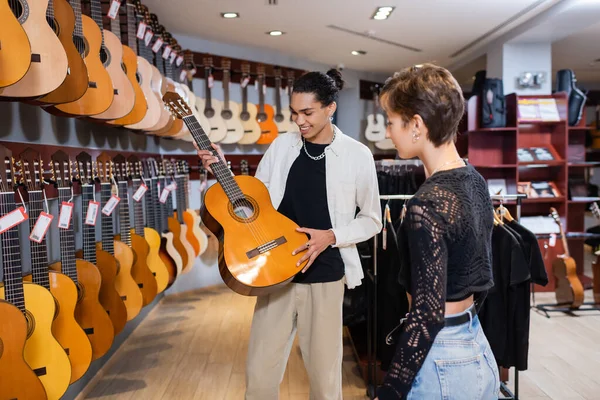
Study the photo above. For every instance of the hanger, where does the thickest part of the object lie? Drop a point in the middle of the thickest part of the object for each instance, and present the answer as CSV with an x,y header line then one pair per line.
x,y
503,213
497,220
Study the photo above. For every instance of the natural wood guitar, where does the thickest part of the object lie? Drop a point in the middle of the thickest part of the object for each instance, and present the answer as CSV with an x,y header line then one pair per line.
x,y
44,355
230,110
173,224
15,53
249,111
49,63
569,290
64,327
89,313
211,106
195,236
122,254
256,242
282,114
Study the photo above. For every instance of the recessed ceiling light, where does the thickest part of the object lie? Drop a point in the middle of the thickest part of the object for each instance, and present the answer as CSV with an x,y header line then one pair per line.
x,y
418,65
358,52
387,9
275,33
230,15
382,13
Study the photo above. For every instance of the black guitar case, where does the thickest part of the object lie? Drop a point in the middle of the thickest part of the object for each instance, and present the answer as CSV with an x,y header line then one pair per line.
x,y
565,82
493,106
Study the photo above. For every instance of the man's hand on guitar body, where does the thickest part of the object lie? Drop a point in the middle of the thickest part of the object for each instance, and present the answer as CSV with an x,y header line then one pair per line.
x,y
319,241
208,157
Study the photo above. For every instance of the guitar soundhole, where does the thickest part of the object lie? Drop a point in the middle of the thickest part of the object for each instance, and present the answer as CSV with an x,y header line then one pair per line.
x,y
244,210
104,56
279,118
124,67
261,117
56,308
209,112
245,116
30,323
20,10
226,114
80,292
53,24
138,78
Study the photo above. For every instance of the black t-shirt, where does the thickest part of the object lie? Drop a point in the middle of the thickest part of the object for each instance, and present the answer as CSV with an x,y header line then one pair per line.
x,y
305,203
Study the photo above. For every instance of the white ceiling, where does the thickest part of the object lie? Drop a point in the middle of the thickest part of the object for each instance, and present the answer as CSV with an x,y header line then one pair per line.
x,y
439,28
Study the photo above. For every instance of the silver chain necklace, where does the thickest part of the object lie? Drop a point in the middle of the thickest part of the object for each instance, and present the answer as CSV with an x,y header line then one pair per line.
x,y
320,156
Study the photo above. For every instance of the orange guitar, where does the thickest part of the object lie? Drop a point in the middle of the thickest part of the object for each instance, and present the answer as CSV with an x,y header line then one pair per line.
x,y
256,242
265,116
15,53
569,290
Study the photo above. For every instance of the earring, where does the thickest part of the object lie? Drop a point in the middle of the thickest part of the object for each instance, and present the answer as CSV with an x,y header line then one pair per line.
x,y
415,136
331,117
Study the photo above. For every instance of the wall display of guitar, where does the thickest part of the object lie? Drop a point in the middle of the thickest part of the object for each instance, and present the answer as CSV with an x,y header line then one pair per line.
x,y
376,128
596,264
212,107
49,63
282,114
42,352
196,236
268,128
65,328
256,242
178,215
569,290
249,111
15,54
196,103
230,109
89,313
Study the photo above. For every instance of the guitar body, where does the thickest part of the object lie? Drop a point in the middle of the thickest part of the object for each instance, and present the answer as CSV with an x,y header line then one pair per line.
x,y
285,125
170,257
109,297
262,273
218,129
99,94
177,125
175,229
124,283
49,63
15,54
43,353
233,125
195,236
140,107
159,88
76,83
152,114
89,313
124,96
189,249
375,130
268,128
250,124
569,290
154,261
66,329
596,280
140,271
17,379
385,144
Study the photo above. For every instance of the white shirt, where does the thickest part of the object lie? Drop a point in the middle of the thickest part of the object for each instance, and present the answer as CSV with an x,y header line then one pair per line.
x,y
351,182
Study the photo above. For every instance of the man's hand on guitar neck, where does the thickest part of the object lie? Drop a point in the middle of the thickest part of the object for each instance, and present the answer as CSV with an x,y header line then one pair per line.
x,y
208,157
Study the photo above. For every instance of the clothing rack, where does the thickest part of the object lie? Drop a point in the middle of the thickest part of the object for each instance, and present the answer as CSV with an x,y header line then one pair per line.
x,y
372,304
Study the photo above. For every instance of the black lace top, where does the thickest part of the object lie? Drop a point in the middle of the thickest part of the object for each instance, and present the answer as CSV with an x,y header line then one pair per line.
x,y
445,245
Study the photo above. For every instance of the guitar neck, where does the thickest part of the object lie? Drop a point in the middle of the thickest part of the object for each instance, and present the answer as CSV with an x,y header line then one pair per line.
x,y
39,255
96,11
138,210
115,26
50,10
180,198
78,31
564,241
107,222
11,256
67,241
278,94
261,94
89,231
245,99
124,222
131,31
208,98
226,79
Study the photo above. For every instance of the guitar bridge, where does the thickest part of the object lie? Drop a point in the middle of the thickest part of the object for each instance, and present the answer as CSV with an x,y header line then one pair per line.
x,y
263,248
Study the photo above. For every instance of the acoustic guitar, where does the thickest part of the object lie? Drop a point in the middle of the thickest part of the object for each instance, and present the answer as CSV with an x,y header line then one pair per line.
x,y
89,313
49,63
596,264
255,241
268,128
98,97
376,128
61,16
115,250
42,352
15,53
282,115
105,262
178,216
569,290
230,109
196,104
249,110
196,236
212,107
64,327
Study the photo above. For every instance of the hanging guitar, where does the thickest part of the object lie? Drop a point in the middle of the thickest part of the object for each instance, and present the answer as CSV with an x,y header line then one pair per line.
x,y
569,290
256,242
596,264
375,121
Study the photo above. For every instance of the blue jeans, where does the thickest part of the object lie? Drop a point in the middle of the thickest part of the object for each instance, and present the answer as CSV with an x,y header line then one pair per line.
x,y
459,366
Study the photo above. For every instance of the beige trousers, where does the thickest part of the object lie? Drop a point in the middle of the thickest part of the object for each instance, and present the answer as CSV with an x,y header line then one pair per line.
x,y
315,311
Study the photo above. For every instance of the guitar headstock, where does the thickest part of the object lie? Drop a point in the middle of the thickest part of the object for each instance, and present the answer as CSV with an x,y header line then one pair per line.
x,y
150,168
246,68
32,170
226,64
244,167
134,167
176,105
208,62
556,217
120,169
105,167
260,70
61,169
7,174
188,58
84,168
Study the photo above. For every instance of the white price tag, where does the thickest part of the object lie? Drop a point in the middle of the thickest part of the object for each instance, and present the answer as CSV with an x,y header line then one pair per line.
x,y
172,186
110,205
552,241
113,11
265,88
179,60
166,53
172,57
64,219
148,37
245,82
157,45
41,227
12,219
203,186
182,76
140,192
164,195
211,81
141,32
92,213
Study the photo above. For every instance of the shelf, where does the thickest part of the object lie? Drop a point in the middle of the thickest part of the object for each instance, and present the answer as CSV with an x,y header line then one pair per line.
x,y
529,122
539,164
507,129
585,200
544,200
496,166
580,128
584,164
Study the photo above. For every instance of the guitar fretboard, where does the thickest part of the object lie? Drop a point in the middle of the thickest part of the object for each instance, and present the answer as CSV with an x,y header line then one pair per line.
x,y
39,251
124,222
78,31
131,31
96,11
108,243
138,210
11,256
89,231
67,240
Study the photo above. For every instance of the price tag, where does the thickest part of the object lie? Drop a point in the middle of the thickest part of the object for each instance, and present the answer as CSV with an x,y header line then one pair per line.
x,y
182,76
148,37
265,88
140,192
166,53
110,205
203,186
245,82
157,45
12,219
179,60
164,195
92,213
172,186
172,57
141,32
64,219
113,11
211,81
552,241
41,227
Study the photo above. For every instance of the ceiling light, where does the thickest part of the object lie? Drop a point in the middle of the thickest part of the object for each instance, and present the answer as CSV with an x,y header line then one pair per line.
x,y
382,13
380,16
358,52
230,15
387,9
275,33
